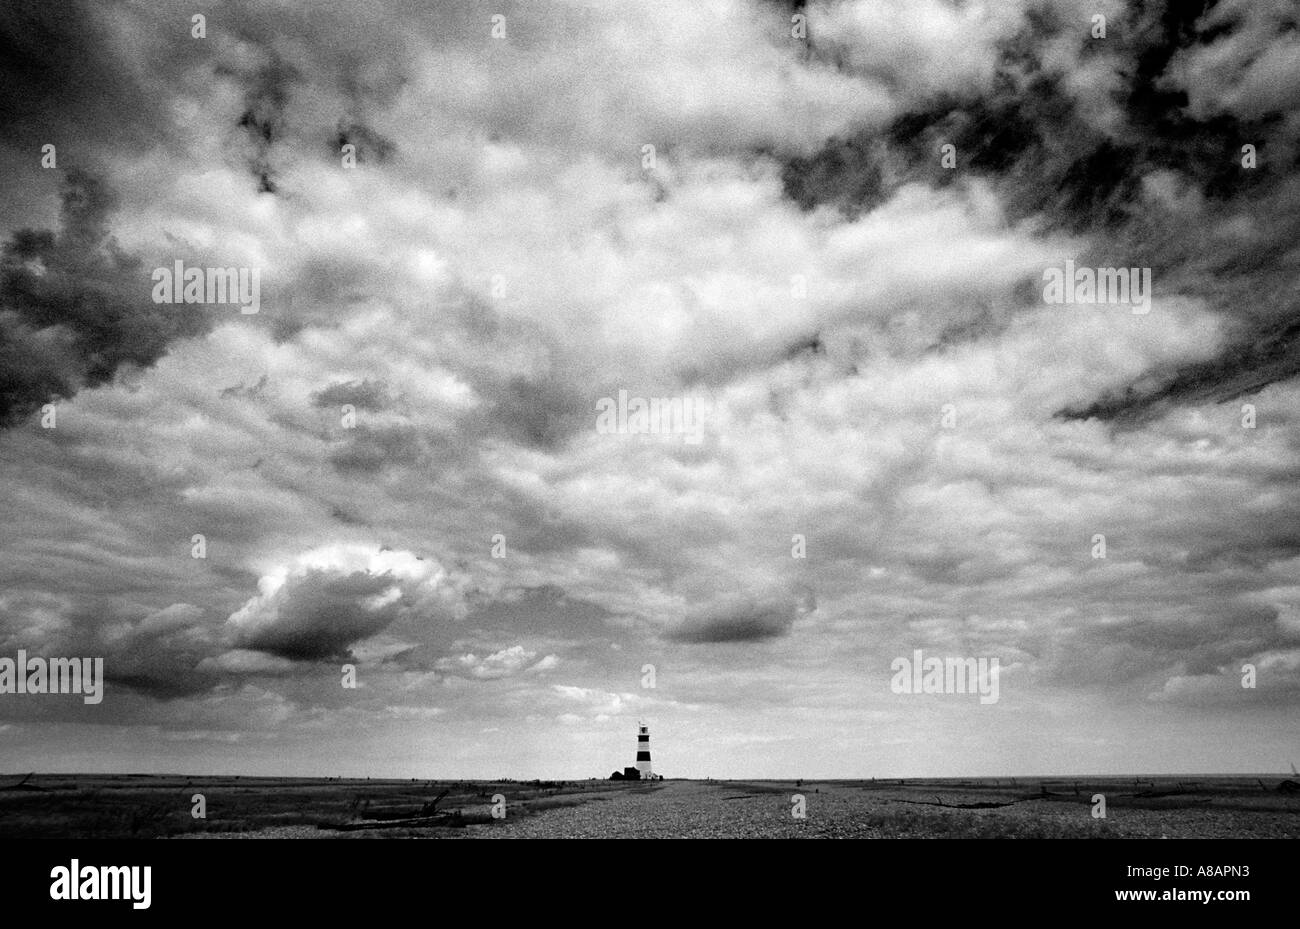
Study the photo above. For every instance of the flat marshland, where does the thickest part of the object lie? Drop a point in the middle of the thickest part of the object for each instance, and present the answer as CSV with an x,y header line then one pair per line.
x,y
159,806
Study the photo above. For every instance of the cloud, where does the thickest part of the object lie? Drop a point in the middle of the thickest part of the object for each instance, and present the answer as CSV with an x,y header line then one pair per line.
x,y
68,77
363,394
883,377
914,48
1160,182
505,663
244,661
330,600
743,621
598,702
75,308
1250,65
318,614
370,449
414,712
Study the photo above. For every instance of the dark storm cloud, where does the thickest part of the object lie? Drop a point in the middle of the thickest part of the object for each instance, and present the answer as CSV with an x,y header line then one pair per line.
x,y
370,145
347,517
748,622
318,615
1132,651
154,679
155,654
1254,552
1031,134
538,412
1244,369
64,81
372,448
249,392
846,172
263,120
75,307
364,395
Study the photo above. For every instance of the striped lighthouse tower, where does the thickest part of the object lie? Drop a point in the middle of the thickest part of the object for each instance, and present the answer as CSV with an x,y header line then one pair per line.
x,y
643,751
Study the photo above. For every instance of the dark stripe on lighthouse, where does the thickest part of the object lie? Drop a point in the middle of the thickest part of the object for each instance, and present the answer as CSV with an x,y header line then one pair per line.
x,y
642,756
643,738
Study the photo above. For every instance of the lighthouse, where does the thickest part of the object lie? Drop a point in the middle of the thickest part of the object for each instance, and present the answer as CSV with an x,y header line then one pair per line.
x,y
643,751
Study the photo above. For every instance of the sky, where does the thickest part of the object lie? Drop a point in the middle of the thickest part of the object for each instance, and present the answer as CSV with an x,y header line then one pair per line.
x,y
471,231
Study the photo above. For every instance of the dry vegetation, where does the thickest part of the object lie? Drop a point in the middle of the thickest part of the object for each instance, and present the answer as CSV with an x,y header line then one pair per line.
x,y
158,806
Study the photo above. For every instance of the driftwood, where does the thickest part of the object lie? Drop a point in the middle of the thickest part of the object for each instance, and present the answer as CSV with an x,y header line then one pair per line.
x,y
984,805
427,817
23,785
442,819
428,808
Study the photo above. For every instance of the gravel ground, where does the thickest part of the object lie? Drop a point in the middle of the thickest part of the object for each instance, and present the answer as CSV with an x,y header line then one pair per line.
x,y
702,810
698,809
